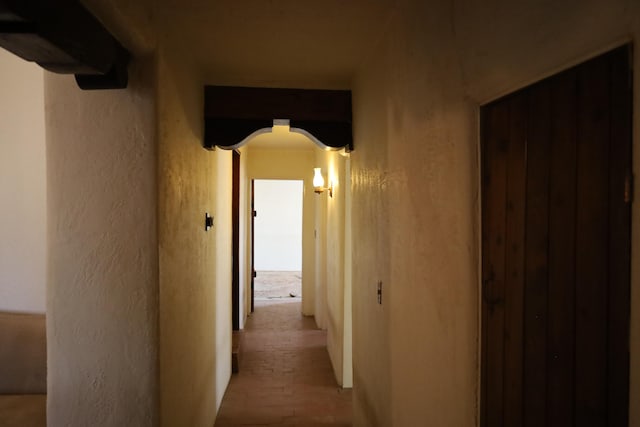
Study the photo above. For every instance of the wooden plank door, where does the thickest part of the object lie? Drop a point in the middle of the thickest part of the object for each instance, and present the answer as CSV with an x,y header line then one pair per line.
x,y
556,175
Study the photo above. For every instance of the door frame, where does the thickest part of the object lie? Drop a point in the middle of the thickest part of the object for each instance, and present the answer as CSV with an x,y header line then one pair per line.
x,y
235,239
253,223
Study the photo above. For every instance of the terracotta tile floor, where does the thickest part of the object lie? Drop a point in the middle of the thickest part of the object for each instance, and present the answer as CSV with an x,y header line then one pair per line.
x,y
285,377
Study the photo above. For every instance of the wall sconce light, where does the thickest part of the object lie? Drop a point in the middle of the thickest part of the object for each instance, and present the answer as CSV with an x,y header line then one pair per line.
x,y
318,182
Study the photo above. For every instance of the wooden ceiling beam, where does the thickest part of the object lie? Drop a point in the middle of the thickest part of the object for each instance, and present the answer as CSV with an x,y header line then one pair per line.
x,y
63,37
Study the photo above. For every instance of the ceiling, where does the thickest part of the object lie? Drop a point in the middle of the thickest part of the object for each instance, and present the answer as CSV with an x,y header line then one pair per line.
x,y
277,43
263,43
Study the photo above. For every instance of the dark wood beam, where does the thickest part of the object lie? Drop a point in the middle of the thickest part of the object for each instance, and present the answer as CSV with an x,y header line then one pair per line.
x,y
233,113
63,37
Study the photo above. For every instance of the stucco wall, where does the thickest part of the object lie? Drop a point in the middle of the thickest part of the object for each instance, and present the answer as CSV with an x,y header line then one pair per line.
x,y
333,284
320,229
292,164
195,302
371,253
347,338
245,236
23,231
415,190
102,252
222,305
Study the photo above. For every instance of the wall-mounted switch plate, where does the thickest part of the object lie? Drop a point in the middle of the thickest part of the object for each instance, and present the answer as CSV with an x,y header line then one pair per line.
x,y
208,221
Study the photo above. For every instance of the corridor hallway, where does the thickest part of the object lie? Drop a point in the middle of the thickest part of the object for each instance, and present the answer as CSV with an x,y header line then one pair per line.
x,y
285,377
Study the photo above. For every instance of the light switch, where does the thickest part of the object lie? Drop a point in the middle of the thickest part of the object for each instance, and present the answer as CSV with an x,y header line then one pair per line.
x,y
208,221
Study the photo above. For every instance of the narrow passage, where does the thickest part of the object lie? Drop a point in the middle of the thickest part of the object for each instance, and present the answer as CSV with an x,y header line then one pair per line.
x,y
285,377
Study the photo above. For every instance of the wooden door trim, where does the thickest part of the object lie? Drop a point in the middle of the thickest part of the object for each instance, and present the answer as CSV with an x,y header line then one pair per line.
x,y
235,237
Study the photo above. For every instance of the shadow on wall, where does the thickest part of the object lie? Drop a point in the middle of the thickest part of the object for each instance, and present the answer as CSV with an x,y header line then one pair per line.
x,y
23,370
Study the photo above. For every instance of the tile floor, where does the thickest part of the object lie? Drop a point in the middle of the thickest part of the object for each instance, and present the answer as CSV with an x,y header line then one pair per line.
x,y
285,377
277,284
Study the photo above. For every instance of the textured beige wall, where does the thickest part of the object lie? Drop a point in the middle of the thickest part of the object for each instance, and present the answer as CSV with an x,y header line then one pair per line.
x,y
245,239
416,197
23,229
332,283
223,259
292,164
195,302
371,254
320,263
320,252
102,252
347,339
335,262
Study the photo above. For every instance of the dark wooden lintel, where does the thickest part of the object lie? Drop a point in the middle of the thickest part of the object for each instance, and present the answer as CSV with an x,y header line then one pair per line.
x,y
233,113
